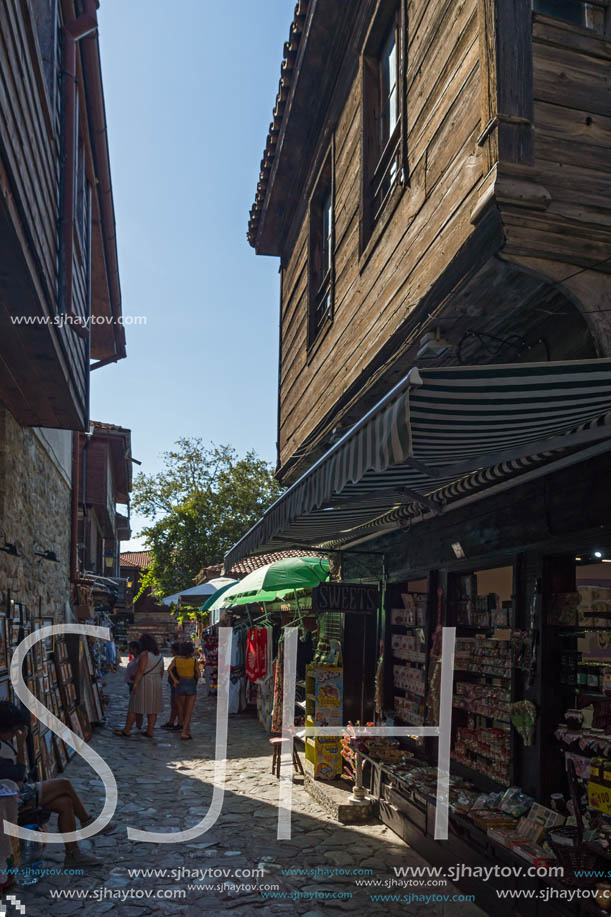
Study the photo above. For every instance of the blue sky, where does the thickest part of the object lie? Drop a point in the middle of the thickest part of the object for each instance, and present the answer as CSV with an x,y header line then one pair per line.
x,y
190,89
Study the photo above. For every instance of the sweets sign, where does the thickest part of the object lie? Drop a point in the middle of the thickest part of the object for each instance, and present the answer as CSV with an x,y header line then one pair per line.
x,y
352,597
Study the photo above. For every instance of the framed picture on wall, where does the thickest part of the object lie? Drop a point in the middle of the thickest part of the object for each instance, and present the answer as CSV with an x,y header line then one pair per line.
x,y
87,731
97,702
5,689
87,654
48,752
48,641
3,645
40,775
21,745
75,724
37,653
70,751
61,752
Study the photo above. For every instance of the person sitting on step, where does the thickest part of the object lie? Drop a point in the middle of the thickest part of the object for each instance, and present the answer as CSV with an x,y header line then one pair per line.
x,y
56,795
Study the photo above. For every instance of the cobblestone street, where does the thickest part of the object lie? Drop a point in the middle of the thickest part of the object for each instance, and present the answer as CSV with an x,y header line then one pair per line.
x,y
165,785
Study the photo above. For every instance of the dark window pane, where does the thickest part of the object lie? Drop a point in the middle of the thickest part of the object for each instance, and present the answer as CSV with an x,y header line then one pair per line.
x,y
569,10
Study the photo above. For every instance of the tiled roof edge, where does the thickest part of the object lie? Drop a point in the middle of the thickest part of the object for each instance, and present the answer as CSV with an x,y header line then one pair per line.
x,y
291,48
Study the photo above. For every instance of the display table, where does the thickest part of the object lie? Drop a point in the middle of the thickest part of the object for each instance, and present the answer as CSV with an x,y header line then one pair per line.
x,y
410,814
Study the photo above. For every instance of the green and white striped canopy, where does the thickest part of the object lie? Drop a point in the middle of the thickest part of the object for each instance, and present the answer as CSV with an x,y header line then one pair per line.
x,y
439,435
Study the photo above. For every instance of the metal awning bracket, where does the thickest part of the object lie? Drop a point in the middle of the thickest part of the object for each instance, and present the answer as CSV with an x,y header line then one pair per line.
x,y
422,500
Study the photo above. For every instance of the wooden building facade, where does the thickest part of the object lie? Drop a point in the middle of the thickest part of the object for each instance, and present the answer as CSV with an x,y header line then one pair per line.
x,y
436,183
490,225
60,296
57,229
105,481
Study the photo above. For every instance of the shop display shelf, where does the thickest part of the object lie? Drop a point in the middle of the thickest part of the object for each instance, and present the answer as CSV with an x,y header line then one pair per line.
x,y
482,780
408,691
488,716
410,656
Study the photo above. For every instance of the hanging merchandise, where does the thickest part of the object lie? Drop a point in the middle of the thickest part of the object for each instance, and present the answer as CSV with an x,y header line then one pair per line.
x,y
234,694
535,613
434,685
278,689
210,647
257,644
379,683
523,718
252,661
264,648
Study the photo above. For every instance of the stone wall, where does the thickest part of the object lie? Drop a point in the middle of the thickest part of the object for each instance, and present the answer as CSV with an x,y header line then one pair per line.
x,y
35,514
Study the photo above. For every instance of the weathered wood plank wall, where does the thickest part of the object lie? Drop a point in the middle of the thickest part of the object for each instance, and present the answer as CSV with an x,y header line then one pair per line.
x,y
430,223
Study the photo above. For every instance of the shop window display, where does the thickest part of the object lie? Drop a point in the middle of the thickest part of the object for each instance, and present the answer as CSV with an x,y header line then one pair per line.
x,y
409,642
480,605
581,622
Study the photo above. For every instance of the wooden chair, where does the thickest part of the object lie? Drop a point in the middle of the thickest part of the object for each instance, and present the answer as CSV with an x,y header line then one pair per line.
x,y
276,743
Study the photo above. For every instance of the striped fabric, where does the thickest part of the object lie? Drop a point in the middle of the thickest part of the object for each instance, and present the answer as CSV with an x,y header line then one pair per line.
x,y
440,434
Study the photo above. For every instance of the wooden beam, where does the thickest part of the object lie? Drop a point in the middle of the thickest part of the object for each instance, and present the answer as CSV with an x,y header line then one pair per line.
x,y
507,81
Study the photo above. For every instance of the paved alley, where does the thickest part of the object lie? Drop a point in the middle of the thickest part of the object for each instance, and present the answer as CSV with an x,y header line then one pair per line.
x,y
165,785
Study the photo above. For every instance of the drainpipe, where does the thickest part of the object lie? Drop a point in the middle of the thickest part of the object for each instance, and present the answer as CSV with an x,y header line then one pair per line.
x,y
74,30
76,453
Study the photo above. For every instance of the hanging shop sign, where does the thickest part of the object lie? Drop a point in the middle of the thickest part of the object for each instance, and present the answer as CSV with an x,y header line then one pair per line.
x,y
346,597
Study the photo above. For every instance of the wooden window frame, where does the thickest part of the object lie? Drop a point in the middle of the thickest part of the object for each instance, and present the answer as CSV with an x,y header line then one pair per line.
x,y
376,162
321,283
598,13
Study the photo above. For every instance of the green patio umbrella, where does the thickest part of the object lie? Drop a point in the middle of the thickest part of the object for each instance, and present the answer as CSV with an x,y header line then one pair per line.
x,y
271,580
215,595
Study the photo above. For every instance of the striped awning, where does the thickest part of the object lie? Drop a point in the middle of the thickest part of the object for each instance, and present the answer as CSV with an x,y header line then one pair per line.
x,y
439,435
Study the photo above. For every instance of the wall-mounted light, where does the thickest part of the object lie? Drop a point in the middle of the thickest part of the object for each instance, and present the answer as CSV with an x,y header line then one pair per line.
x,y
11,549
433,344
598,554
47,555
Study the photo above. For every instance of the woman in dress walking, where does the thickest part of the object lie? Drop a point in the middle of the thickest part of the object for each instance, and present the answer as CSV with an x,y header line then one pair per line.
x,y
130,673
184,672
146,695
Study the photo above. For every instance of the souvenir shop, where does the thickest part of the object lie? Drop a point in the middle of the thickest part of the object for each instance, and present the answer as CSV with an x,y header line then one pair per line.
x,y
526,582
334,649
513,553
63,672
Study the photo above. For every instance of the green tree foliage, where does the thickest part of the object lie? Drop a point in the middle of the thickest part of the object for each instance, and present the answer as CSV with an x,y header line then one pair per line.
x,y
199,505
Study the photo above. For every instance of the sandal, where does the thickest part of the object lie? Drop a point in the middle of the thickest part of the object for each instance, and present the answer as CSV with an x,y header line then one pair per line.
x,y
168,726
184,738
121,732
